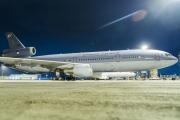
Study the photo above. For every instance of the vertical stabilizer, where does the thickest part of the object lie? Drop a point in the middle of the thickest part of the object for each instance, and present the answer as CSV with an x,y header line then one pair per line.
x,y
13,41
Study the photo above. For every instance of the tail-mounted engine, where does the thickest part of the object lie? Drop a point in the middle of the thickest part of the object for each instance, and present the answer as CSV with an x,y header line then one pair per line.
x,y
19,53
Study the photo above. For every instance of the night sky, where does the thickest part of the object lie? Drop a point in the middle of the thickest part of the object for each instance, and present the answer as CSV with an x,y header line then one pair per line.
x,y
69,26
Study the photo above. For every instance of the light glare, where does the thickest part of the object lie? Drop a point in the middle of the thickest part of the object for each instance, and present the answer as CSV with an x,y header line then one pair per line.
x,y
144,47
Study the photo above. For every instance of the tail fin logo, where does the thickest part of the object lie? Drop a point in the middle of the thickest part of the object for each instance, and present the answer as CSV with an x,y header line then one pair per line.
x,y
18,51
9,35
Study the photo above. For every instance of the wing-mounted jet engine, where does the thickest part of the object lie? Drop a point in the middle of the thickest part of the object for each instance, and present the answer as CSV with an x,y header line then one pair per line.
x,y
80,70
17,49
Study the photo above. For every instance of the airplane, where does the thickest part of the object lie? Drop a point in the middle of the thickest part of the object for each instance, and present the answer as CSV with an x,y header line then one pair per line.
x,y
107,75
83,64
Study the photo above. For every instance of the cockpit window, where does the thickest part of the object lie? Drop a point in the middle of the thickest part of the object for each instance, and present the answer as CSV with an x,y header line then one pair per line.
x,y
167,54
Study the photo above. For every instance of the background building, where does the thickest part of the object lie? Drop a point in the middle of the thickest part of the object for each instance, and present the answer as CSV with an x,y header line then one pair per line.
x,y
23,77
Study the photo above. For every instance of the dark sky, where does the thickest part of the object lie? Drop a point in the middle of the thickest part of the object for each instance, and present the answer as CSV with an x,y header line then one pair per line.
x,y
67,26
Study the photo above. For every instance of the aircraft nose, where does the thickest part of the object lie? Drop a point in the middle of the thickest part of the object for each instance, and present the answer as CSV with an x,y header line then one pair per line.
x,y
174,59
170,61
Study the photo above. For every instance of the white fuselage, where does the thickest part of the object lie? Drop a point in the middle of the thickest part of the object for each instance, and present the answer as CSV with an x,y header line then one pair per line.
x,y
110,61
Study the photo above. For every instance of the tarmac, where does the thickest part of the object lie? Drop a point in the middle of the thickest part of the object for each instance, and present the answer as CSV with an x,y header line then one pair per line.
x,y
91,81
90,99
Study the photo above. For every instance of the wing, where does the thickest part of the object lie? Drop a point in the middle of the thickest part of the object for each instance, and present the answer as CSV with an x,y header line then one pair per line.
x,y
51,65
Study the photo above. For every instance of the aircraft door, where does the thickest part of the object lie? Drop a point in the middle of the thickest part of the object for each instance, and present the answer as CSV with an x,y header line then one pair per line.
x,y
117,57
157,56
75,59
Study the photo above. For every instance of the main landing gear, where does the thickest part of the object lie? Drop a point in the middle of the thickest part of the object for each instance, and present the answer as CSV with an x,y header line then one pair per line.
x,y
64,79
60,76
71,78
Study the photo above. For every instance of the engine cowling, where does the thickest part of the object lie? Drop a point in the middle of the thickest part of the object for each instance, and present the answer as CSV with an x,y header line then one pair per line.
x,y
20,53
83,70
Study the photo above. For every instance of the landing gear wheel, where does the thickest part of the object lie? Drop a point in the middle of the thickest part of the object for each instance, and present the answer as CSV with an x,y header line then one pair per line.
x,y
57,78
54,78
73,79
63,78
